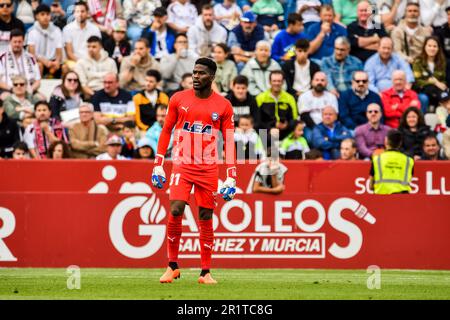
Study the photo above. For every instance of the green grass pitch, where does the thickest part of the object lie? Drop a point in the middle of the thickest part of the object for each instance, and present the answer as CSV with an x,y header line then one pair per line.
x,y
234,284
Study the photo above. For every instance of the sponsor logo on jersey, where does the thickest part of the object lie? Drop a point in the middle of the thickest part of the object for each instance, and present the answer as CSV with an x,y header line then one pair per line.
x,y
197,128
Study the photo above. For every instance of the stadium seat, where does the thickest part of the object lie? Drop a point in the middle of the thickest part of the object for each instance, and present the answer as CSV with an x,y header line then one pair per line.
x,y
48,85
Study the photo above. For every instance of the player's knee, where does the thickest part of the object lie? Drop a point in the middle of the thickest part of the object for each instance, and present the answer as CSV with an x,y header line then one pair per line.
x,y
205,214
177,208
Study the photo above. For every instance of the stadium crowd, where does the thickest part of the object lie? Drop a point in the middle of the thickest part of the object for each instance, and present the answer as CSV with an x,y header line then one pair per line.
x,y
328,79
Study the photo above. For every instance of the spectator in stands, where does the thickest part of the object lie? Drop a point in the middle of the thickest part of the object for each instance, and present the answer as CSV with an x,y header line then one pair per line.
x,y
144,150
76,34
295,146
257,69
328,135
248,143
269,176
113,105
16,61
186,83
159,35
154,131
283,47
315,155
182,15
9,133
45,42
43,131
312,102
227,14
20,151
148,99
8,22
348,150
277,107
432,12
226,69
117,45
58,150
103,12
309,10
270,14
113,149
446,143
340,67
92,68
24,11
414,130
431,149
243,102
129,140
397,99
58,12
409,35
429,71
175,65
346,11
67,96
364,35
87,138
391,12
206,33
20,104
243,39
323,34
300,70
133,69
353,102
443,33
139,14
381,65
370,136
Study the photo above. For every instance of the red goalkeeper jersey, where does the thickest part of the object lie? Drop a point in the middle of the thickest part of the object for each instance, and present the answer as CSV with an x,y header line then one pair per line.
x,y
197,125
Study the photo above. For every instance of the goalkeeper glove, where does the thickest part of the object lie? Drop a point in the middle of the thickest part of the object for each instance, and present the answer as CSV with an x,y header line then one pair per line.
x,y
158,174
228,189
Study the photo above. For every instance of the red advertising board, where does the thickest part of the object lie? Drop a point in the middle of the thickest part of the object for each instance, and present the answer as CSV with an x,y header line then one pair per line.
x,y
104,214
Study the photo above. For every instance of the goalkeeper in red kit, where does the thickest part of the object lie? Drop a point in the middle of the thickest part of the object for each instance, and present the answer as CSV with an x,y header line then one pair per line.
x,y
198,115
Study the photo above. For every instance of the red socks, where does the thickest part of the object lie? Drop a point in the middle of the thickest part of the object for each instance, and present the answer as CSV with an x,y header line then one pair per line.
x,y
206,243
173,237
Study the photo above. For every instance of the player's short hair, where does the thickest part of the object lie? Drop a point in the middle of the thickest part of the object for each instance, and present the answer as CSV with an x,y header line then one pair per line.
x,y
302,44
240,79
155,74
93,39
394,138
209,63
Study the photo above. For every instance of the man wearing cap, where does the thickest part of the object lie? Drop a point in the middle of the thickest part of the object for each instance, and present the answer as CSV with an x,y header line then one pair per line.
x,y
45,42
243,38
113,149
118,46
159,35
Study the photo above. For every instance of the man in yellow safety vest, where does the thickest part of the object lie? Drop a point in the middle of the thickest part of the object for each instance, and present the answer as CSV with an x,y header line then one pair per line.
x,y
391,171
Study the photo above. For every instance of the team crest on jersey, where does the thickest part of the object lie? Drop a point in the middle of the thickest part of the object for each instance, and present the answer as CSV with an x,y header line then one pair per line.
x,y
197,128
215,116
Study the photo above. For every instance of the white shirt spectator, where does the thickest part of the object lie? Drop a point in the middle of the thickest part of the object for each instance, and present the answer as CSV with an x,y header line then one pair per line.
x,y
221,11
182,15
106,156
302,79
72,33
201,40
431,13
307,102
45,41
310,15
25,65
385,6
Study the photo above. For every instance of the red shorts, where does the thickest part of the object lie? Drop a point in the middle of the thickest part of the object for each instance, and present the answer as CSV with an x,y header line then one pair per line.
x,y
205,188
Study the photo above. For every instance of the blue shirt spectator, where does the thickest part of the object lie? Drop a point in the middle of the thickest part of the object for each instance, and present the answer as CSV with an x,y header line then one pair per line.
x,y
381,65
283,47
340,66
353,103
323,34
328,135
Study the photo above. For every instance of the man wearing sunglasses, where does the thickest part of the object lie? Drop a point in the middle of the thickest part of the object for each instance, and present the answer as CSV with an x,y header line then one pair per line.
x,y
8,22
370,136
353,102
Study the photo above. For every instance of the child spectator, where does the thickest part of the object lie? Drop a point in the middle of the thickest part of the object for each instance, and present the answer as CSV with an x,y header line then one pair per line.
x,y
295,146
226,69
20,151
117,45
144,150
269,176
128,139
248,143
